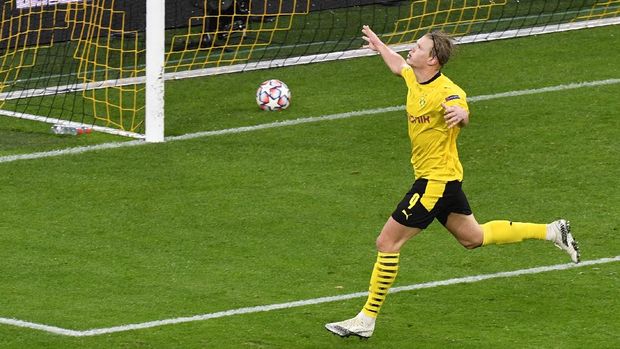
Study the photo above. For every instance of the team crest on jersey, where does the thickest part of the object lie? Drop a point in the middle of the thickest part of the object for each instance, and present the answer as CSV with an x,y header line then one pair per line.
x,y
452,97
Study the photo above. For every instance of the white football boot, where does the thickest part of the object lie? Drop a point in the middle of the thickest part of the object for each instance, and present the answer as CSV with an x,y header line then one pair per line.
x,y
564,239
361,326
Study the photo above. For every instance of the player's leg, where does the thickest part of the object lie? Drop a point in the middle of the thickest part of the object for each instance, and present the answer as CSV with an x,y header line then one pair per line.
x,y
462,224
465,229
408,219
392,237
471,234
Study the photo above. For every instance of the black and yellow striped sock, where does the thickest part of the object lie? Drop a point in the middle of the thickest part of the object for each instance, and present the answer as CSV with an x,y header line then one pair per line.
x,y
383,276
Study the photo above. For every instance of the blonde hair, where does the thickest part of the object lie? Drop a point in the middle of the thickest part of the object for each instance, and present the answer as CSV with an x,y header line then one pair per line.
x,y
443,46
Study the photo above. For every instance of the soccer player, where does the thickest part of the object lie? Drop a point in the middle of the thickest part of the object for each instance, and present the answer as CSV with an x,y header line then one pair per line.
x,y
436,111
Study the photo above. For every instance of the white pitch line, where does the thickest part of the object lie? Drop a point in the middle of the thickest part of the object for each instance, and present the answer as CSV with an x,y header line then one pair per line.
x,y
302,303
40,327
544,89
277,124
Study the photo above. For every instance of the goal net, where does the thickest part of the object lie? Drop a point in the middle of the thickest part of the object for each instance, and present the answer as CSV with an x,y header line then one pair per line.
x,y
84,62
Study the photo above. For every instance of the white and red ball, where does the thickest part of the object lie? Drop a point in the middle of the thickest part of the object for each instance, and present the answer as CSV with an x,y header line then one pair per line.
x,y
273,95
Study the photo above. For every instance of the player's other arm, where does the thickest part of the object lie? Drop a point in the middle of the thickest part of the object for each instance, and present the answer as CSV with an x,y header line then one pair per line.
x,y
455,115
393,60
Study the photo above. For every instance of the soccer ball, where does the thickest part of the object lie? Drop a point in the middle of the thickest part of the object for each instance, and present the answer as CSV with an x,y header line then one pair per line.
x,y
273,95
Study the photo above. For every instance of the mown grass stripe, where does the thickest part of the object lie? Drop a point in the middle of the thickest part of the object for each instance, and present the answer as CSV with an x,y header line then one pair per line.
x,y
295,304
300,121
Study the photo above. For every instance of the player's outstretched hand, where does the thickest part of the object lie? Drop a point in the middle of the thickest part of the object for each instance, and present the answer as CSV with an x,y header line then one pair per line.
x,y
372,40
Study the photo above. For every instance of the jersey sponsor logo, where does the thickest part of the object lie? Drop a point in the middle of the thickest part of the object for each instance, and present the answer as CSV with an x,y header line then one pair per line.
x,y
422,119
452,97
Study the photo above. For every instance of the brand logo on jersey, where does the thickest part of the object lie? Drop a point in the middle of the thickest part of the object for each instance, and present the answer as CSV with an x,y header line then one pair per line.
x,y
422,119
452,97
422,102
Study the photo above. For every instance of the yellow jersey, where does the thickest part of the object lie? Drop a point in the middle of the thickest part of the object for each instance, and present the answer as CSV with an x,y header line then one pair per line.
x,y
433,145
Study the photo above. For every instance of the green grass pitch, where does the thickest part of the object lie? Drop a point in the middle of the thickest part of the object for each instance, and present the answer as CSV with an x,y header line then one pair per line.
x,y
161,231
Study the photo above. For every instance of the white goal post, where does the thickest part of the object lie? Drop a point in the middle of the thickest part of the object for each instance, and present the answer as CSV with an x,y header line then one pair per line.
x,y
155,53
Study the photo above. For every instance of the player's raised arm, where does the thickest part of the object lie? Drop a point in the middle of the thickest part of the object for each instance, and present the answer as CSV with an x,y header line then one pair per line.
x,y
393,60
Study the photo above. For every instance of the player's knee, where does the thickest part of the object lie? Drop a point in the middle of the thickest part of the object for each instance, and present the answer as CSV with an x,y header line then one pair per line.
x,y
472,239
471,244
382,243
385,244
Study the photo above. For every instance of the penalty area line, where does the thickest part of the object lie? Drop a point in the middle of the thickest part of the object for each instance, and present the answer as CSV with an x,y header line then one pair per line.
x,y
301,303
277,124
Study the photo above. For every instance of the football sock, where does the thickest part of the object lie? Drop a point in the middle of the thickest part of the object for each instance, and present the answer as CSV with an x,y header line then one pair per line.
x,y
383,276
505,232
